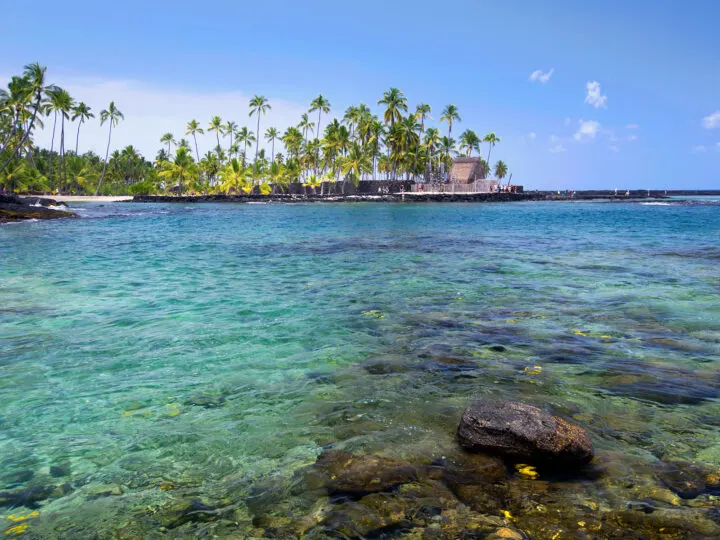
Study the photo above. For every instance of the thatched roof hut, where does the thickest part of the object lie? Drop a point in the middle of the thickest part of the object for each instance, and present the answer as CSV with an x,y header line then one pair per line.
x,y
467,170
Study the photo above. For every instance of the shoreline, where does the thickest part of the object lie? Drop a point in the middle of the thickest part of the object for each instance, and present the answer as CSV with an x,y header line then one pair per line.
x,y
393,197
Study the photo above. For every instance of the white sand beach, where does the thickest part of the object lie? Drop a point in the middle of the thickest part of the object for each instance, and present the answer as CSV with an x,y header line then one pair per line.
x,y
89,198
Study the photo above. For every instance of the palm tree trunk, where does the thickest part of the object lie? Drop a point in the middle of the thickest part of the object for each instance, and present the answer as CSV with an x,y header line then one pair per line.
x,y
27,132
107,152
489,151
196,147
77,138
62,151
272,157
257,143
52,146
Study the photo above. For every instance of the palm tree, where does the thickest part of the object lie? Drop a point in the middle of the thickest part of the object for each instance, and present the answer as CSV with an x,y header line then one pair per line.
x,y
229,129
258,105
181,168
193,128
432,141
216,125
396,103
245,136
53,105
168,139
81,112
232,176
422,111
34,75
65,105
492,140
470,141
355,164
321,105
305,125
271,134
450,114
500,170
113,116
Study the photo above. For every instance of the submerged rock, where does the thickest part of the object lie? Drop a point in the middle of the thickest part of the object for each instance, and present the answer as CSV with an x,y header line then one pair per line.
x,y
688,480
347,474
524,433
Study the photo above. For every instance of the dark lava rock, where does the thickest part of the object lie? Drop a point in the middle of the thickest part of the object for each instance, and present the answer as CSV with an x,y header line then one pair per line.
x,y
60,469
351,475
14,208
206,400
181,511
28,497
524,433
688,480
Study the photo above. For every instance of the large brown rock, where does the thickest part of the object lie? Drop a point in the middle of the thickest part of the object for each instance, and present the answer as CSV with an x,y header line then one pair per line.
x,y
523,433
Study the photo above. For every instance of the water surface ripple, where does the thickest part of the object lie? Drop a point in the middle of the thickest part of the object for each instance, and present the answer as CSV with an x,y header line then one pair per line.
x,y
153,354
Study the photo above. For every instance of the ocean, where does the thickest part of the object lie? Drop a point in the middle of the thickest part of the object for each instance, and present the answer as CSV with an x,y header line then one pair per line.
x,y
179,370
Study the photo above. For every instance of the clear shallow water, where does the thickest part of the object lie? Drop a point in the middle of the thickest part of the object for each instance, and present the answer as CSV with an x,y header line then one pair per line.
x,y
152,354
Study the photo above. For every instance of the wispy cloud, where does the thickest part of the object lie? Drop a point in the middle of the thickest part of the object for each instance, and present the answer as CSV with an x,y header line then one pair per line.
x,y
615,148
556,147
631,138
539,76
567,121
699,149
587,130
632,126
711,121
594,95
532,135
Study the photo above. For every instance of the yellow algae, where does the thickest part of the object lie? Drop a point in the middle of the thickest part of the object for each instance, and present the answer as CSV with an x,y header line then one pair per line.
x,y
374,313
527,470
534,370
511,321
173,409
167,486
580,333
17,529
16,519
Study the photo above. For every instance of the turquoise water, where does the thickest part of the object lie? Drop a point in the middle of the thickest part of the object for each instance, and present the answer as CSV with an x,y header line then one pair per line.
x,y
151,354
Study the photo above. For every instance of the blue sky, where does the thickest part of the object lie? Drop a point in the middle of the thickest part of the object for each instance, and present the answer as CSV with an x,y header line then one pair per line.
x,y
652,67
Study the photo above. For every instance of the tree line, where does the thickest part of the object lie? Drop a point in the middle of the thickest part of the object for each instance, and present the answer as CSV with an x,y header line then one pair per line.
x,y
360,145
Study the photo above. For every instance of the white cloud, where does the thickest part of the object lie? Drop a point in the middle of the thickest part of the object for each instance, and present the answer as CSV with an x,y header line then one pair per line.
x,y
632,138
539,76
556,146
532,135
594,96
718,145
712,120
632,126
699,149
567,121
615,148
587,130
152,110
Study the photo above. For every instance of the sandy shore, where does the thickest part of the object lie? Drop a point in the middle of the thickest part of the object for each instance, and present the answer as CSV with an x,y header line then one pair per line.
x,y
88,198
